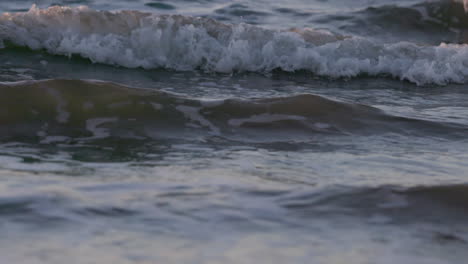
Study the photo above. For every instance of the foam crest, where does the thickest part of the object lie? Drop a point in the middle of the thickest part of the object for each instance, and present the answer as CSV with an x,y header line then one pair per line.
x,y
136,39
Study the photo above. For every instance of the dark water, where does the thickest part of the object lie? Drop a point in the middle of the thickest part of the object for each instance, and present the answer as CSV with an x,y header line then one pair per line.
x,y
233,131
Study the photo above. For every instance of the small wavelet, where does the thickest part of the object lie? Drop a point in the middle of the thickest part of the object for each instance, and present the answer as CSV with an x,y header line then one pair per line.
x,y
395,204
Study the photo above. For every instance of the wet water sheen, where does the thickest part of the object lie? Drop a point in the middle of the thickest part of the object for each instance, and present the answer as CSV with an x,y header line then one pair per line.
x,y
220,131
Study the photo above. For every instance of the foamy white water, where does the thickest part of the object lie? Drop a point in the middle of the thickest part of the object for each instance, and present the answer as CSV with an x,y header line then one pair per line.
x,y
135,39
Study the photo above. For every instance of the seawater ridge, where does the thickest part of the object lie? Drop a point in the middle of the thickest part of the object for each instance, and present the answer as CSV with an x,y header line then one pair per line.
x,y
62,110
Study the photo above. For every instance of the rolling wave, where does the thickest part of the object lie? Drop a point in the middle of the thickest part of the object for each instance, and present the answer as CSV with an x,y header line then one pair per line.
x,y
387,205
64,110
135,39
428,22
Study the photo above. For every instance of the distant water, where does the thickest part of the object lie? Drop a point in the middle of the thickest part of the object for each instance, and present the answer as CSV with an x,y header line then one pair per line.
x,y
217,131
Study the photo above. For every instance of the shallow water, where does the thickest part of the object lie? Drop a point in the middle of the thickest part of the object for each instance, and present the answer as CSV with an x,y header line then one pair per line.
x,y
233,131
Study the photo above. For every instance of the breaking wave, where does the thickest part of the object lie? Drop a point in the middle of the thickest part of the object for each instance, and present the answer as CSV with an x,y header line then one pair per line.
x,y
136,39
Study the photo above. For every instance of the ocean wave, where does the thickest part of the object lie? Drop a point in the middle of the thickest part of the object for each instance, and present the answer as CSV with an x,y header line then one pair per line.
x,y
386,204
428,22
54,111
445,14
135,39
380,205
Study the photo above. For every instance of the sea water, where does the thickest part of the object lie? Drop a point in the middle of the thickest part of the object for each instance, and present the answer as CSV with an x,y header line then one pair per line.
x,y
217,131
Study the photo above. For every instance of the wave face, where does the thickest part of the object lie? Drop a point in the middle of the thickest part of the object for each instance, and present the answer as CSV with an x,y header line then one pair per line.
x,y
136,39
70,110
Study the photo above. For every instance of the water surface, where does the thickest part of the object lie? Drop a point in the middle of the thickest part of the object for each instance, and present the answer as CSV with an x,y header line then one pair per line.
x,y
233,131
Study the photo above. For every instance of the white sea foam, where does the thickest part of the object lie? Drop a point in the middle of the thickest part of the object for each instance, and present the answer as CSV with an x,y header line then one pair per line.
x,y
93,126
136,39
193,113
